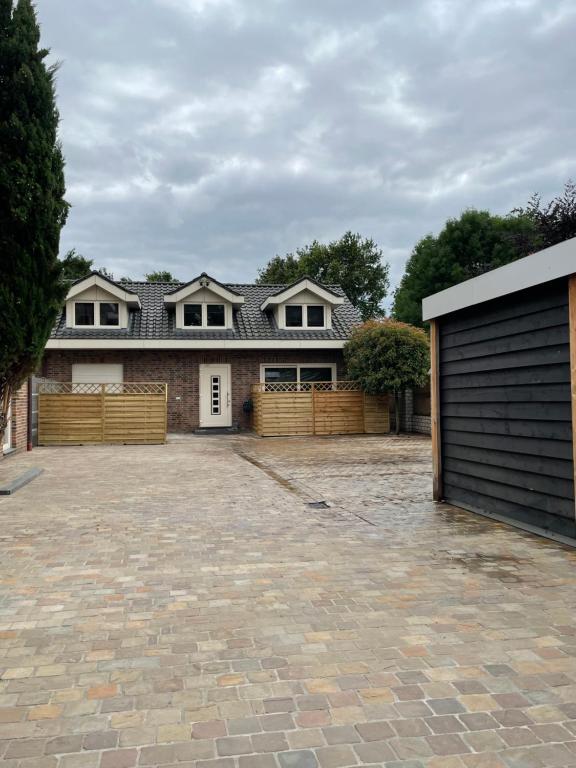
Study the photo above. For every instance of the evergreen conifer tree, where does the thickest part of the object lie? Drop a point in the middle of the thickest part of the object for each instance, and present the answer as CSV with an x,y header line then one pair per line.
x,y
32,205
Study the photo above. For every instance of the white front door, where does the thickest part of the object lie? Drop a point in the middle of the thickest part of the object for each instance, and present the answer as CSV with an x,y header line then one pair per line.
x,y
215,396
7,442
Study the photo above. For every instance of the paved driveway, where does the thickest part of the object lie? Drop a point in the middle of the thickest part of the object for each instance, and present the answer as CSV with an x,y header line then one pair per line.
x,y
198,604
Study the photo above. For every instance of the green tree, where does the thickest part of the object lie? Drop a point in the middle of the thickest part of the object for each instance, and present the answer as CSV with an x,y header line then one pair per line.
x,y
467,247
353,262
32,205
556,220
386,356
162,276
75,266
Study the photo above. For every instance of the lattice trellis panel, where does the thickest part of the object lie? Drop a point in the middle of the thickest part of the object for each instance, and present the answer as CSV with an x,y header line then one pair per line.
x,y
120,388
307,386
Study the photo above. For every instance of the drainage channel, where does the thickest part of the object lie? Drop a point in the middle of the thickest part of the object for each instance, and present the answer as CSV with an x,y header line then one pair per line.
x,y
306,497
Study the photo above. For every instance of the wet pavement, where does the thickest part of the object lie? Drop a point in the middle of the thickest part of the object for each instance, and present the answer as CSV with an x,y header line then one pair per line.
x,y
233,602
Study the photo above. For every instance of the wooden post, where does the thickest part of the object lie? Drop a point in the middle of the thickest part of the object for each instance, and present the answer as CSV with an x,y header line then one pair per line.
x,y
435,410
103,410
313,409
572,321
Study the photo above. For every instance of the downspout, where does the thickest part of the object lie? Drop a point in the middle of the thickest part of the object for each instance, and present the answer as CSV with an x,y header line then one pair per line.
x,y
29,421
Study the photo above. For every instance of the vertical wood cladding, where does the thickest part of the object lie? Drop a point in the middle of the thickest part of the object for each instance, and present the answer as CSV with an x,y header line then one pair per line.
x,y
505,406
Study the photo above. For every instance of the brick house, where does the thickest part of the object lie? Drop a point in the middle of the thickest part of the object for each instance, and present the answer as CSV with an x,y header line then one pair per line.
x,y
210,342
16,434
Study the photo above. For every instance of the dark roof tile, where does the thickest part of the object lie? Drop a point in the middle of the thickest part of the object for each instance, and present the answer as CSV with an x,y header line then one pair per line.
x,y
155,321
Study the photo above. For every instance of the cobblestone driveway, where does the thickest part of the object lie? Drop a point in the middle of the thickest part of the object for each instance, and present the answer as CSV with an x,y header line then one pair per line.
x,y
184,605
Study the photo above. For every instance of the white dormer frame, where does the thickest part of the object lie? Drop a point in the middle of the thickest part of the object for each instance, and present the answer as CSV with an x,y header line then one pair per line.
x,y
100,291
203,282
204,285
280,312
97,281
228,319
326,296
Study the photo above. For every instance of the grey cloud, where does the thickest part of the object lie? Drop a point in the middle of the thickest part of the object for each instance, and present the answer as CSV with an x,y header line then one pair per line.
x,y
216,133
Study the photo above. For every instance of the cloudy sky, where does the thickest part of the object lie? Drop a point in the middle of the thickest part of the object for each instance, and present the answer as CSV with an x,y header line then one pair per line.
x,y
213,134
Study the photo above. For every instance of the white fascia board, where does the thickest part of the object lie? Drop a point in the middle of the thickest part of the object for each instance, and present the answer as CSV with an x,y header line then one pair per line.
x,y
132,299
303,285
189,290
193,344
541,267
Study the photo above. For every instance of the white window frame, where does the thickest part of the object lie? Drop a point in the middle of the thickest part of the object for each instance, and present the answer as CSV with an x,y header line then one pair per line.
x,y
204,309
305,327
298,366
96,323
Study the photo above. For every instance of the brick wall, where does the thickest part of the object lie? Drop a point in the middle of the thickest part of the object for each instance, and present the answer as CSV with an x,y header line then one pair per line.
x,y
19,419
180,370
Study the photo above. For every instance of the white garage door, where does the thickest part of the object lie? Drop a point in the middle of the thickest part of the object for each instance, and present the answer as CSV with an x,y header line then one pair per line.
x,y
97,373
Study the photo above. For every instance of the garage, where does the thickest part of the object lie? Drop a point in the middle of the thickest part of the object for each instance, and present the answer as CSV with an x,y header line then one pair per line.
x,y
503,389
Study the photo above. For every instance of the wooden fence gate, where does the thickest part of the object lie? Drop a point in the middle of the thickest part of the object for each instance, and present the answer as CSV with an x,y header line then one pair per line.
x,y
130,412
324,408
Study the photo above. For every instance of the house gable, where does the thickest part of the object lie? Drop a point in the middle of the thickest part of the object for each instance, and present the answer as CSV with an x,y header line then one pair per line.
x,y
303,305
94,301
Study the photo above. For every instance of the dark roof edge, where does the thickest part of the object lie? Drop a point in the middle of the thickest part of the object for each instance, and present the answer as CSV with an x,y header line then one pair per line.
x,y
96,273
312,280
196,279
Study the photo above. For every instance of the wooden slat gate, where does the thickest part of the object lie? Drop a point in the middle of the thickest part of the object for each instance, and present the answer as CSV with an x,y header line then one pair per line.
x,y
73,414
325,408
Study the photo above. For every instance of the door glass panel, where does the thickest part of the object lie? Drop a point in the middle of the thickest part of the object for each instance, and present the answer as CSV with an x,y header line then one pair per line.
x,y
315,316
215,315
294,316
315,374
192,314
215,395
272,375
84,313
109,314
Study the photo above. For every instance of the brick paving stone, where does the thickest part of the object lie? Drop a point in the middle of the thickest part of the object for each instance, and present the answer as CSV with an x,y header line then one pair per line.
x,y
410,727
447,744
445,724
233,745
298,759
257,761
478,721
142,630
241,726
311,737
271,742
317,702
279,705
446,706
409,748
374,751
119,758
375,731
511,717
341,734
336,757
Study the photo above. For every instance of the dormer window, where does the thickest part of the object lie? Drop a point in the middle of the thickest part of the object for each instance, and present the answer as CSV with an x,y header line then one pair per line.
x,y
204,303
204,315
304,316
96,301
109,314
306,304
84,313
96,314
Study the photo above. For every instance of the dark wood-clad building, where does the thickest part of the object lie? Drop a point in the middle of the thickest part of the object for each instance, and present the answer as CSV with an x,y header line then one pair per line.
x,y
504,392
